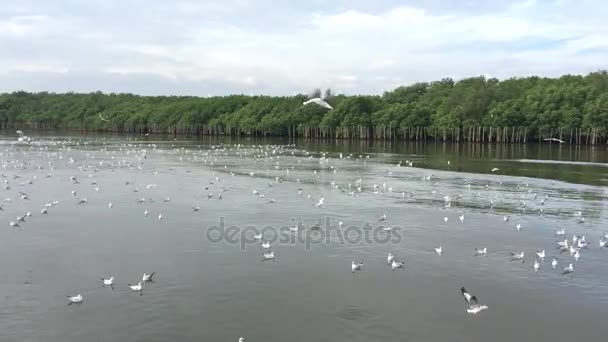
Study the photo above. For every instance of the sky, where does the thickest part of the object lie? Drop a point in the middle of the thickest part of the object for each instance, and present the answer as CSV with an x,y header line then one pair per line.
x,y
275,47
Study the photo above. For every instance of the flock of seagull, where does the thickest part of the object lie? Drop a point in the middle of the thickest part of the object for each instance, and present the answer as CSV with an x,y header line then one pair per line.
x,y
574,246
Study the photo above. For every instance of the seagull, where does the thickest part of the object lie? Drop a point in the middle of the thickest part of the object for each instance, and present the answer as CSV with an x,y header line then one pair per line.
x,y
146,213
390,258
554,139
495,169
536,265
603,243
83,201
14,224
75,299
518,227
241,339
109,281
395,264
102,118
160,217
568,269
196,208
479,251
577,255
147,277
474,307
269,256
294,229
258,236
318,101
266,245
560,232
554,263
44,211
505,218
356,266
445,219
541,254
320,203
517,255
137,287
110,205
461,218
439,250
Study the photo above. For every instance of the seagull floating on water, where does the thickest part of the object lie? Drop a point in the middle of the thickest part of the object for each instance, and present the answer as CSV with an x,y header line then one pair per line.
x,y
481,251
108,281
75,299
395,264
137,287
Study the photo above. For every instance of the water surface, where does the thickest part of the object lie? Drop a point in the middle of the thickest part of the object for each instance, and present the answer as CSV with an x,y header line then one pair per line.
x,y
218,291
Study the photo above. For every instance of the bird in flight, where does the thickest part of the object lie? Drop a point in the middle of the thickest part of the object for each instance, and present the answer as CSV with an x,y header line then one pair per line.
x,y
474,307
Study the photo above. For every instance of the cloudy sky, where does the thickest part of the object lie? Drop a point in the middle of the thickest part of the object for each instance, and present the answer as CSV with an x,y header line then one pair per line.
x,y
188,47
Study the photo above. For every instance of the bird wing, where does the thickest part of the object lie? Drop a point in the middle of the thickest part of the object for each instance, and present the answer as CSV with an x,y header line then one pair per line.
x,y
466,295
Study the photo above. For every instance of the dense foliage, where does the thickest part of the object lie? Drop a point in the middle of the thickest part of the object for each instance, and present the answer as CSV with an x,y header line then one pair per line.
x,y
539,104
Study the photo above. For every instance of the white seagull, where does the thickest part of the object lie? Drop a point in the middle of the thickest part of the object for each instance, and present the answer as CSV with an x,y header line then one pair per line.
x,y
137,287
474,307
390,258
481,251
536,265
266,245
517,255
147,277
541,254
75,299
554,263
318,101
269,256
439,250
356,266
108,281
395,264
568,269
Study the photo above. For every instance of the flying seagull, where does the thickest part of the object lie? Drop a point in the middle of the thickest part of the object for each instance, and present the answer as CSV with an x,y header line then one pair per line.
x,y
102,118
356,266
474,307
318,101
554,139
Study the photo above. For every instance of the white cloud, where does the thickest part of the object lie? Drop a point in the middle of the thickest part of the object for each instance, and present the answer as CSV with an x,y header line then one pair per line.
x,y
249,46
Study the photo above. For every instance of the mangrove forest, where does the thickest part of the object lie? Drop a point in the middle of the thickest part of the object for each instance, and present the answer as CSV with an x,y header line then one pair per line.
x,y
572,108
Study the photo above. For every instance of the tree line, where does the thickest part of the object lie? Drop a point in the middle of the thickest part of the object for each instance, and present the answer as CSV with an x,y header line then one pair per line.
x,y
573,107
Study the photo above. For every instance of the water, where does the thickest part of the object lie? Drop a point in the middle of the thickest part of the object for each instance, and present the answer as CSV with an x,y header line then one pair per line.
x,y
218,291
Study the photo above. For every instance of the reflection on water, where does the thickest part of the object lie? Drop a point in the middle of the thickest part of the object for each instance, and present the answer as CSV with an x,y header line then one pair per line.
x,y
218,290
